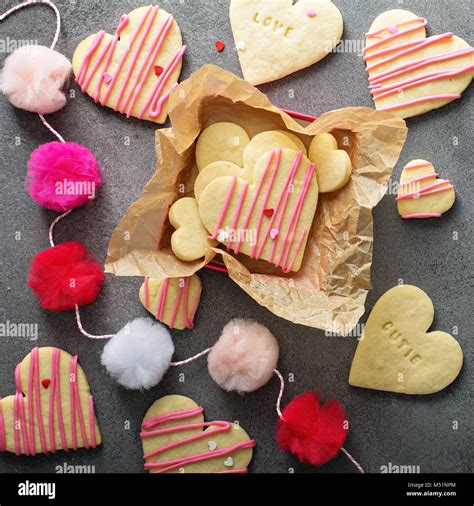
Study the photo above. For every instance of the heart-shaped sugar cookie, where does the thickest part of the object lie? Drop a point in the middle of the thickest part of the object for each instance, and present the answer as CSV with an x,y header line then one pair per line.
x,y
190,241
176,439
333,165
421,194
283,180
135,70
409,73
173,301
275,38
397,354
226,165
52,409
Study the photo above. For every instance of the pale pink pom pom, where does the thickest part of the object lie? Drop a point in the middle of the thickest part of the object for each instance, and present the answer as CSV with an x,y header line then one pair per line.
x,y
244,357
62,176
33,78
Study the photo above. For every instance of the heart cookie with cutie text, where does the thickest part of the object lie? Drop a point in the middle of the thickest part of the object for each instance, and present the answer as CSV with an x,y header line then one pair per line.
x,y
410,73
268,218
135,70
172,301
177,439
397,354
52,409
421,193
275,38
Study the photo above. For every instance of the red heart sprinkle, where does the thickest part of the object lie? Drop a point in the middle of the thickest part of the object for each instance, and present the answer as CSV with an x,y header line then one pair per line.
x,y
46,382
268,212
220,46
158,70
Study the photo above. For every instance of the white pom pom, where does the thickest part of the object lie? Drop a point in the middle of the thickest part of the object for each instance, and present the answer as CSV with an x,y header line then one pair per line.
x,y
139,355
33,78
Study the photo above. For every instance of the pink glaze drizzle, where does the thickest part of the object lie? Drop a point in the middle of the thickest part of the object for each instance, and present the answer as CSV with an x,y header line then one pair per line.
x,y
394,52
417,165
183,293
156,99
169,465
284,260
20,422
427,190
421,178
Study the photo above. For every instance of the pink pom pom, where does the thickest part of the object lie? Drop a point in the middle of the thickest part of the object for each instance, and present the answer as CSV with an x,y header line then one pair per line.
x,y
33,78
62,176
244,357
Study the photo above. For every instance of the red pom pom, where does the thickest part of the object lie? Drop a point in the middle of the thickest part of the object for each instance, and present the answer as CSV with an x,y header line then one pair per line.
x,y
313,432
65,275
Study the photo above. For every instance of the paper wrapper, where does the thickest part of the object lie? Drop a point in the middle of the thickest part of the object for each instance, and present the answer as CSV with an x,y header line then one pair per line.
x,y
330,289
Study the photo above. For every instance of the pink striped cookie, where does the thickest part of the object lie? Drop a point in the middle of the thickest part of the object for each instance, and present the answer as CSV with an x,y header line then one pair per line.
x,y
421,193
177,439
134,70
173,301
410,73
52,409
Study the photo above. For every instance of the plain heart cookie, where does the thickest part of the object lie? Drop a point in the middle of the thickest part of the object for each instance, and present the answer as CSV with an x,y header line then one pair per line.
x,y
135,70
269,218
172,301
333,165
275,38
421,194
177,439
397,354
409,73
52,409
190,241
225,164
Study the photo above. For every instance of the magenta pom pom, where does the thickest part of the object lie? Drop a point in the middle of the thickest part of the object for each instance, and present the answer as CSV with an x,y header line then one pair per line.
x,y
62,176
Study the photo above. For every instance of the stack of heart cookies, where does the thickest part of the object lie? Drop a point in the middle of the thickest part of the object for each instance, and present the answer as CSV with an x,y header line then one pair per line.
x,y
256,196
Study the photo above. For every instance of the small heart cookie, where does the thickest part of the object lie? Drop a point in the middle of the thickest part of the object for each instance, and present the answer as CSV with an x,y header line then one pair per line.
x,y
190,241
275,38
225,165
120,71
397,354
52,409
333,165
409,73
176,439
283,180
173,301
421,194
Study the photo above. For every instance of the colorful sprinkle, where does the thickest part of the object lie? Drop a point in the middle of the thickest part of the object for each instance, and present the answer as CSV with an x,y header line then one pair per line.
x,y
229,462
311,13
212,445
46,382
268,212
220,46
158,70
393,29
273,233
107,77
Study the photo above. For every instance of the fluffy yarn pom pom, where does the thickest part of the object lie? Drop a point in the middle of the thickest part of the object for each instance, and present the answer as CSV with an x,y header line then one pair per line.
x,y
139,355
313,432
244,357
65,275
33,78
62,175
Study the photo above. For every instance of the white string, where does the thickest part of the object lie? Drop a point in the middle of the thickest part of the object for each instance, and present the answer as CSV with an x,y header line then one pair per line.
x,y
191,359
50,128
81,328
353,460
53,224
280,395
33,2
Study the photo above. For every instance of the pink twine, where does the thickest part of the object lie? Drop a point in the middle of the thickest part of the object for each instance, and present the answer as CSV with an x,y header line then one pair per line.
x,y
191,359
81,328
53,224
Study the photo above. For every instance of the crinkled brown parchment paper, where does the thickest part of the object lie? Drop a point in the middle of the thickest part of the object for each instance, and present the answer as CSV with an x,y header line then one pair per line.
x,y
330,289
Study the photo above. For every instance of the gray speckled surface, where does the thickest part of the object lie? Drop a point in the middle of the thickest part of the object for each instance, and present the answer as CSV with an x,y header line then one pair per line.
x,y
434,255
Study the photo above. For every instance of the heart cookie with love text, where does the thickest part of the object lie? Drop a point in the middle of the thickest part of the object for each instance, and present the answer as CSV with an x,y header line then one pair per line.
x,y
135,70
410,73
275,38
177,439
397,354
172,301
421,193
52,409
268,218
